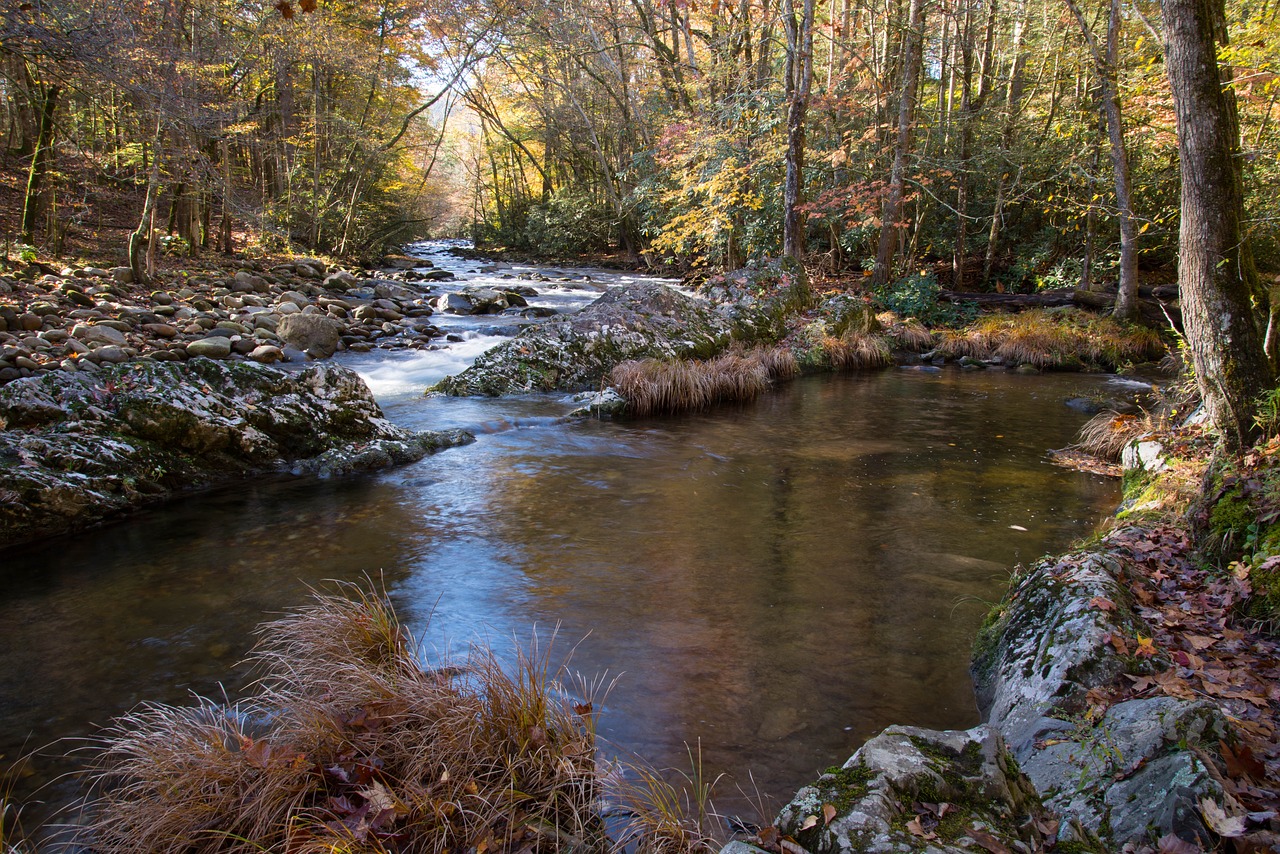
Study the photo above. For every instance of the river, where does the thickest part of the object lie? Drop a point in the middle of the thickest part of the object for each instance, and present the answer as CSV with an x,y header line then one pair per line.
x,y
774,581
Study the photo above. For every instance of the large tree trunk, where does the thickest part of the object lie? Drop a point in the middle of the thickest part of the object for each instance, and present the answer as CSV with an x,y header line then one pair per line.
x,y
39,165
799,80
1215,272
889,228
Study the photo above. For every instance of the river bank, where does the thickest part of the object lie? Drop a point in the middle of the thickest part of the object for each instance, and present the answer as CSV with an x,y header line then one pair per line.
x,y
1128,689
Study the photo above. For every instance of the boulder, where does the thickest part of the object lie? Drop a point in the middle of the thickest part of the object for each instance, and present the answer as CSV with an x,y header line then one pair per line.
x,y
977,799
97,445
1118,775
98,333
575,352
317,335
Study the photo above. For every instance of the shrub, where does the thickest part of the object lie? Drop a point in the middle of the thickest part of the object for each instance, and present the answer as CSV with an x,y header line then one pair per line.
x,y
917,295
570,223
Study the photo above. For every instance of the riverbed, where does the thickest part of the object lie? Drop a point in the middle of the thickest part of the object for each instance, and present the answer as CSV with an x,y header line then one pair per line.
x,y
773,581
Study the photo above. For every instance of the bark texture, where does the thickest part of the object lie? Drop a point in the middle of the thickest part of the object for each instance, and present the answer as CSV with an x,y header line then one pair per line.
x,y
1216,279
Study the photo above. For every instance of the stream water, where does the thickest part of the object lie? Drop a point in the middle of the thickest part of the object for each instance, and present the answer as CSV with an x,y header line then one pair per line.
x,y
776,581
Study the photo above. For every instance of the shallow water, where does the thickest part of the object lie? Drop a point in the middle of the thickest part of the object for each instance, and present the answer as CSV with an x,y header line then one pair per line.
x,y
777,581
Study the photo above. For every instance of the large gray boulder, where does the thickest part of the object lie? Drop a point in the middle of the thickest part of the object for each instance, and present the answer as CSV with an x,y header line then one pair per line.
x,y
576,352
316,335
1136,769
76,449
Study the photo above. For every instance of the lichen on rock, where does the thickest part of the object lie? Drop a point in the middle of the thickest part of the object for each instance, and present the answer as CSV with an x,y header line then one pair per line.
x,y
77,449
576,353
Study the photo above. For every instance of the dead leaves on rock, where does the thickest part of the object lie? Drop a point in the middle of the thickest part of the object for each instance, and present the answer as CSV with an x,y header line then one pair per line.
x,y
1201,651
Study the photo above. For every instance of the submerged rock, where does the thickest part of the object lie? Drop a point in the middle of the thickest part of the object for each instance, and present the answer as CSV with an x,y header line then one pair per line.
x,y
576,352
77,449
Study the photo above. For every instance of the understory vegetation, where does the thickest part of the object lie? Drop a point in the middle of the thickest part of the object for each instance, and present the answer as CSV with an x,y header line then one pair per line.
x,y
1055,338
351,744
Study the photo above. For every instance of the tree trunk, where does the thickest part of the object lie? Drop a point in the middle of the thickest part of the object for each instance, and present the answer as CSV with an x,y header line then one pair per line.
x,y
39,165
1215,272
799,80
144,234
889,229
1106,64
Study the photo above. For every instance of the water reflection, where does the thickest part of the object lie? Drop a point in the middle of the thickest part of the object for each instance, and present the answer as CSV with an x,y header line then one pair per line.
x,y
778,581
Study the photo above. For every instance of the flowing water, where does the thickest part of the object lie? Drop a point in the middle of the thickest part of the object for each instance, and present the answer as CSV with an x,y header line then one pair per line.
x,y
774,581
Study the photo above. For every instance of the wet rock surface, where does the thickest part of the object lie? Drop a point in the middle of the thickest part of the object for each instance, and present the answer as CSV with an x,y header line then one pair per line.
x,y
576,352
77,449
1052,765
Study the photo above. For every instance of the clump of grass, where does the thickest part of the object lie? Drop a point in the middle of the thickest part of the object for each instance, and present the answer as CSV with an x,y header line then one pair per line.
x,y
351,744
909,334
858,350
779,362
1108,433
665,818
1054,339
681,385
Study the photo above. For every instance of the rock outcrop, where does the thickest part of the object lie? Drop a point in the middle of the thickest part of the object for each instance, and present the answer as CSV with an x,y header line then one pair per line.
x,y
639,321
77,449
575,352
1052,763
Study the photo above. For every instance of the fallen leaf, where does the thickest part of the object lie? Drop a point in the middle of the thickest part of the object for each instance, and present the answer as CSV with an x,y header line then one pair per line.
x,y
810,821
1146,648
1102,603
1241,762
1217,820
1171,844
917,829
986,841
1200,642
829,813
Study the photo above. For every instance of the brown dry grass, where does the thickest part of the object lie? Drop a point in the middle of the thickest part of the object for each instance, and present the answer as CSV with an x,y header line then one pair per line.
x,y
1053,340
1108,433
858,350
909,334
351,745
653,385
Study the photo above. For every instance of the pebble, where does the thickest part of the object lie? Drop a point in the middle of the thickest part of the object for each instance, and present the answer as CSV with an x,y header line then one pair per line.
x,y
214,348
83,317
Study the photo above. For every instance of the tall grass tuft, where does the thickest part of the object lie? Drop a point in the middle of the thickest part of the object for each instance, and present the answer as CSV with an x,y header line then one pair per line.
x,y
351,745
858,350
1054,339
909,334
1108,433
654,385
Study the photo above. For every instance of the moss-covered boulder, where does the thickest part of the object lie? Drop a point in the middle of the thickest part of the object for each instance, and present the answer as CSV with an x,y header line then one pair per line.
x,y
576,352
759,299
967,792
77,449
1128,774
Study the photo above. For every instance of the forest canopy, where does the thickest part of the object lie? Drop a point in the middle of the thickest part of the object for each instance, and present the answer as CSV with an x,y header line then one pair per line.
x,y
1002,144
